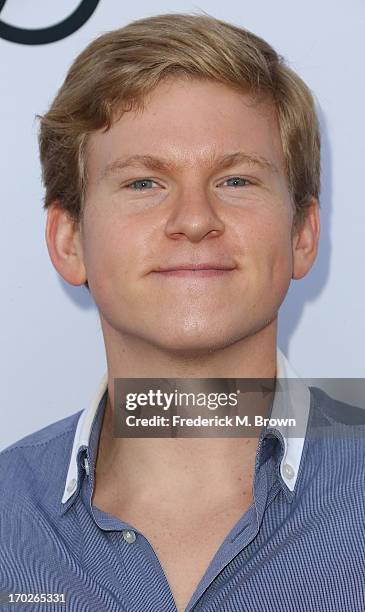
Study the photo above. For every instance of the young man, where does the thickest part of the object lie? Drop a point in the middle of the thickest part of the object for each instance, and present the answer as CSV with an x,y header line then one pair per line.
x,y
181,166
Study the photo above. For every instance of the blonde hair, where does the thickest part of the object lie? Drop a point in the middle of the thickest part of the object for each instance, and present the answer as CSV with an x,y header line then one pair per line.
x,y
118,69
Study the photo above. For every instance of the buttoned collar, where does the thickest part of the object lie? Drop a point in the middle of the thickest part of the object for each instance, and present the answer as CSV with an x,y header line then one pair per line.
x,y
294,403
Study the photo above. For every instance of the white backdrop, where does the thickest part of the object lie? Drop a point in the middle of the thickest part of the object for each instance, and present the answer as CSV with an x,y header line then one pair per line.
x,y
52,349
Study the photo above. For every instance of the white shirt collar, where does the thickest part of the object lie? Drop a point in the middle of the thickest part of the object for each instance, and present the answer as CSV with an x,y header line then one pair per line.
x,y
297,404
294,403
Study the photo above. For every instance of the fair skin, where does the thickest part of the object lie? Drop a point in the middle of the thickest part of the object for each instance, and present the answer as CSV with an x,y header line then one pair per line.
x,y
189,326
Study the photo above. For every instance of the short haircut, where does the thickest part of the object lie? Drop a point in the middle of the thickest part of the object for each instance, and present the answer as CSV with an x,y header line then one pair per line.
x,y
118,69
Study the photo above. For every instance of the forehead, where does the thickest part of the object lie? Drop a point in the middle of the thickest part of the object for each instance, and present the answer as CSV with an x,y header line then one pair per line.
x,y
190,123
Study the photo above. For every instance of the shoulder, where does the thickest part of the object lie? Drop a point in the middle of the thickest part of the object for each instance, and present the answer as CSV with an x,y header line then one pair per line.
x,y
336,416
336,436
36,465
45,435
337,413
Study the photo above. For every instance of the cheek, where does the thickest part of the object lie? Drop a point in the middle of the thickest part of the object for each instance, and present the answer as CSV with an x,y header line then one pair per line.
x,y
274,251
280,262
108,248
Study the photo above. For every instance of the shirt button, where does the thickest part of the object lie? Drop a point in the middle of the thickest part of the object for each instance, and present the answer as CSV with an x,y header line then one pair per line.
x,y
71,485
288,471
129,536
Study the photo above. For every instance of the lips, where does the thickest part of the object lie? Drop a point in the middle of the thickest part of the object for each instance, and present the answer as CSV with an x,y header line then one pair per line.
x,y
189,271
196,267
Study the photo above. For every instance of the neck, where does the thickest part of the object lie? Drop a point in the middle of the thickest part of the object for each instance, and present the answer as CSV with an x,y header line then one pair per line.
x,y
181,465
132,357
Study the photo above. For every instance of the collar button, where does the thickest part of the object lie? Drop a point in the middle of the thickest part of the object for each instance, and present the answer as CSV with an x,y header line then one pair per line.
x,y
86,466
288,471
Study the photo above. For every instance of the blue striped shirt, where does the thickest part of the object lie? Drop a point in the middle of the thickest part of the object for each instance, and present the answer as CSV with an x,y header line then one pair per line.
x,y
299,547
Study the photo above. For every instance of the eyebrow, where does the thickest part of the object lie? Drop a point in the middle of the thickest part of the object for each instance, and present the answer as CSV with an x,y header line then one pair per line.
x,y
155,163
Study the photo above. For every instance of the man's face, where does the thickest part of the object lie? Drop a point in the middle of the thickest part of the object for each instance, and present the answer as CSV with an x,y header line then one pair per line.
x,y
188,209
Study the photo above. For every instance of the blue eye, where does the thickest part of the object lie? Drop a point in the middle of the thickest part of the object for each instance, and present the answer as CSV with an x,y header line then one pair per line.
x,y
140,184
143,184
237,180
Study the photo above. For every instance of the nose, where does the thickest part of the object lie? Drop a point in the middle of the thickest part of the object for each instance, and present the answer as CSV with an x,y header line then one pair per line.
x,y
193,215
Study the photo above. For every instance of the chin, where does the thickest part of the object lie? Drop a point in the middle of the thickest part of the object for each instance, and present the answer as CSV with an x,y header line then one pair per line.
x,y
190,344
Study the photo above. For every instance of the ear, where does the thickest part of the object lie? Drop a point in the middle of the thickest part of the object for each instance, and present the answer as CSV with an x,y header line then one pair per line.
x,y
305,240
64,245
